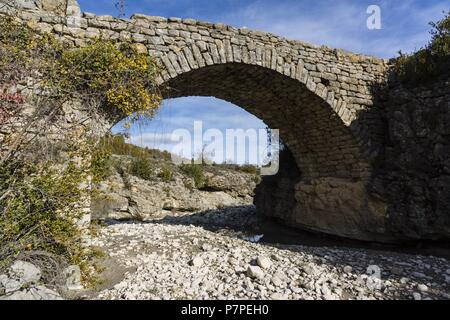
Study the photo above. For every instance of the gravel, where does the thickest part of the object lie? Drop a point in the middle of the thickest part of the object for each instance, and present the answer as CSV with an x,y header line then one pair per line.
x,y
166,259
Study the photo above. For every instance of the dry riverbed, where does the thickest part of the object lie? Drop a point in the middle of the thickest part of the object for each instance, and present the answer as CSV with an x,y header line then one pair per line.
x,y
205,256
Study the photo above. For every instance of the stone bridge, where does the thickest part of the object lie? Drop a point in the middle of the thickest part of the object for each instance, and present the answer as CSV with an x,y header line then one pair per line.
x,y
323,100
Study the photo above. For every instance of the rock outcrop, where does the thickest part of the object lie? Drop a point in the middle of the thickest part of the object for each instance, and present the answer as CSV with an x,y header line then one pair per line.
x,y
130,197
22,282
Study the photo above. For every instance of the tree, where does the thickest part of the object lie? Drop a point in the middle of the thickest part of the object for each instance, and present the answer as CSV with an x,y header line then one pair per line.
x,y
120,6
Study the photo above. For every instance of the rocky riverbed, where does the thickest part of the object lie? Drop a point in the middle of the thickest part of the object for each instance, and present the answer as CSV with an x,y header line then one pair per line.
x,y
210,256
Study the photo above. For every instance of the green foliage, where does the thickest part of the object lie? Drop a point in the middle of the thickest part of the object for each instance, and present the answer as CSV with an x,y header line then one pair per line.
x,y
116,73
101,163
166,174
248,168
116,144
38,210
22,50
142,168
196,173
40,202
430,62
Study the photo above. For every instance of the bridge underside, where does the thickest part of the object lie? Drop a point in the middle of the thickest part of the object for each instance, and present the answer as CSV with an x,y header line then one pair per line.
x,y
329,195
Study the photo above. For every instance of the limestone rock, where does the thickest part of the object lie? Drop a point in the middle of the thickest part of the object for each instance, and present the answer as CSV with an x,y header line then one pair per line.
x,y
141,199
422,288
25,4
255,272
417,296
196,262
264,262
35,293
25,271
61,7
73,278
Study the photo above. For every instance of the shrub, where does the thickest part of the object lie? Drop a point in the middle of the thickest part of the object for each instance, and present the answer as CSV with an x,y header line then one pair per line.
x,y
116,144
40,202
248,168
38,210
196,173
429,62
113,72
142,168
166,174
101,163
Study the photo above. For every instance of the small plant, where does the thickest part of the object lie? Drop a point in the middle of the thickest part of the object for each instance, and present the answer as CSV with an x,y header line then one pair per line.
x,y
166,174
249,168
196,173
142,168
188,184
167,190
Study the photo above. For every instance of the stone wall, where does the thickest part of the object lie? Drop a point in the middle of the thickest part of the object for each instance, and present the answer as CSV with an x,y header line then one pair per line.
x,y
409,188
415,166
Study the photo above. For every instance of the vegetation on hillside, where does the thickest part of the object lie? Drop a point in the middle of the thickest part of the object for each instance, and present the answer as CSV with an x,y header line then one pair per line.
x,y
195,171
429,62
149,164
115,144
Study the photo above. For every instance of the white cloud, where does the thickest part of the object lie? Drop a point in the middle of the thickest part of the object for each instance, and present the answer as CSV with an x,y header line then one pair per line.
x,y
343,24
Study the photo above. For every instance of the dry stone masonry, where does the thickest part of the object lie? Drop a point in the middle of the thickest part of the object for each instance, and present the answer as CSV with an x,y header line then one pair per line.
x,y
324,101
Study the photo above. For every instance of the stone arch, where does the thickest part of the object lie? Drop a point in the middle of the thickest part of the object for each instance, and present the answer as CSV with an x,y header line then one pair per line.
x,y
330,195
316,135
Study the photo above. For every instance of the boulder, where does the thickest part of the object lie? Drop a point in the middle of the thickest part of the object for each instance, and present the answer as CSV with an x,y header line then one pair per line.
x,y
25,272
263,262
73,278
255,272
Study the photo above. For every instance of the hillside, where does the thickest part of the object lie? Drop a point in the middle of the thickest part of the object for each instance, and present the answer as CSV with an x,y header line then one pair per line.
x,y
141,183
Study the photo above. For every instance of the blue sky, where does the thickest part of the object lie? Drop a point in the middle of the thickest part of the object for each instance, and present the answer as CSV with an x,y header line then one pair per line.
x,y
338,24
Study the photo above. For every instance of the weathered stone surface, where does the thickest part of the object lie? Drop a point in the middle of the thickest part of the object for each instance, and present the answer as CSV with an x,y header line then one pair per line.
x,y
196,262
415,174
21,282
339,206
73,278
255,272
138,198
264,262
27,272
